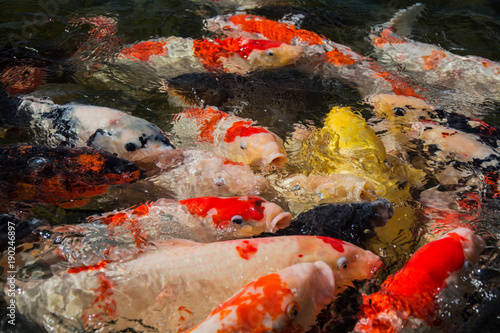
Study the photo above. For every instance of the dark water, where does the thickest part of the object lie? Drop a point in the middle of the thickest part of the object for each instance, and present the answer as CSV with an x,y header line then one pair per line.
x,y
280,98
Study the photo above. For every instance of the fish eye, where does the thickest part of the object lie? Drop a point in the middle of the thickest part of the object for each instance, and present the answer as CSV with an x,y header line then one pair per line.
x,y
270,53
219,181
37,164
243,145
292,310
237,219
399,112
343,263
130,146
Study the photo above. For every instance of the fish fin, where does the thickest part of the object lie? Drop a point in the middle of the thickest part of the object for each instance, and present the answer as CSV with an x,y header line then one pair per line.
x,y
402,21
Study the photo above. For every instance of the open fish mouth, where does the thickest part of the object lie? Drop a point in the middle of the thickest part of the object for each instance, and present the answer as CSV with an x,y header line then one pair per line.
x,y
276,159
280,221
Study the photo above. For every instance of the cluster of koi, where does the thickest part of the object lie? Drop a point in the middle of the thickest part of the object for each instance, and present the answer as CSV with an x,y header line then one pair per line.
x,y
187,260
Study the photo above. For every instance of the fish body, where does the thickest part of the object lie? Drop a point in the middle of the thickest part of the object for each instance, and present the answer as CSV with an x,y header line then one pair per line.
x,y
409,297
230,136
164,58
286,301
119,234
59,176
320,55
194,173
470,75
115,131
176,284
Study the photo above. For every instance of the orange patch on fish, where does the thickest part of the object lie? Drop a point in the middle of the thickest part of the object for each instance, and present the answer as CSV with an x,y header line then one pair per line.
x,y
399,87
337,58
246,250
143,51
207,120
228,161
273,30
388,36
103,301
242,129
101,264
141,210
447,134
90,162
432,61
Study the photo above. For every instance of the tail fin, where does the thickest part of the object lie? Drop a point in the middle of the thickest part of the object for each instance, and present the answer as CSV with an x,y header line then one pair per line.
x,y
404,19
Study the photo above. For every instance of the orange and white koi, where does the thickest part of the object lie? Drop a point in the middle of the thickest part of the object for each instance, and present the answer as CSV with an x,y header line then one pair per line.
x,y
71,125
203,219
196,173
286,301
62,177
176,284
230,136
409,298
320,54
474,76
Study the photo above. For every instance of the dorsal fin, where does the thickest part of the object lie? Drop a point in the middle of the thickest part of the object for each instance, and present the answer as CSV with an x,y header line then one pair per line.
x,y
402,21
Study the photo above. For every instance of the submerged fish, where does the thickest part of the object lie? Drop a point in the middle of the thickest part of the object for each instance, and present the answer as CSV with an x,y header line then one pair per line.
x,y
230,136
176,284
286,301
320,55
409,298
115,131
59,176
119,234
477,77
164,58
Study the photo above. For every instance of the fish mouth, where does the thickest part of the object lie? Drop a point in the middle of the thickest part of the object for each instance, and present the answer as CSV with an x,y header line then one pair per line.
x,y
276,218
280,221
276,159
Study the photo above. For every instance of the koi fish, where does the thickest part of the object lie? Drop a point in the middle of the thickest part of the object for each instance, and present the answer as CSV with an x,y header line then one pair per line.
x,y
286,301
115,131
474,76
190,173
59,177
230,136
302,191
177,283
409,297
122,233
163,58
353,222
320,55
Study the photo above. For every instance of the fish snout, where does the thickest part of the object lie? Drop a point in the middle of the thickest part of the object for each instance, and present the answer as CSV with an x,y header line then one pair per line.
x,y
276,159
374,263
275,217
324,293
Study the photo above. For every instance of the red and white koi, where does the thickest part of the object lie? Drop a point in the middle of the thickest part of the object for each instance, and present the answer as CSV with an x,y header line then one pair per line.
x,y
230,136
115,131
409,298
176,284
204,219
474,76
320,54
286,301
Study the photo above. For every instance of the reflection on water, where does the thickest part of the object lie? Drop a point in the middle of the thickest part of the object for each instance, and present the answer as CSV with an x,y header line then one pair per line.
x,y
431,197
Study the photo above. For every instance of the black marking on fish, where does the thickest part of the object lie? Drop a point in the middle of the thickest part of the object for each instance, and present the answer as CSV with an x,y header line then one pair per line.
x,y
63,125
100,131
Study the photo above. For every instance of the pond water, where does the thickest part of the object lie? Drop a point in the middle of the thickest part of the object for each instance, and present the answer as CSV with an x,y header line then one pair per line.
x,y
281,98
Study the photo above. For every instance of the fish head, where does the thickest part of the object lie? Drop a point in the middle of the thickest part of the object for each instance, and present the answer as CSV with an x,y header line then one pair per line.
x,y
397,108
261,53
472,244
131,138
348,262
254,145
237,217
235,179
285,301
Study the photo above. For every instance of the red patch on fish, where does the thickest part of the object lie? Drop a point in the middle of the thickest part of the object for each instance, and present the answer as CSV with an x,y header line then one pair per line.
x,y
101,264
207,120
446,134
281,32
143,51
247,207
243,129
336,244
103,302
246,250
228,161
399,87
141,210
